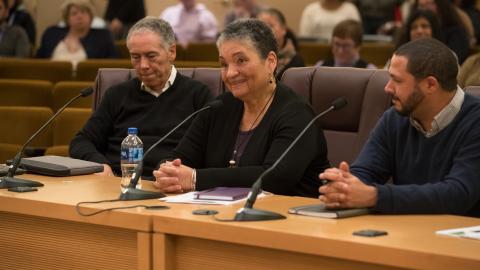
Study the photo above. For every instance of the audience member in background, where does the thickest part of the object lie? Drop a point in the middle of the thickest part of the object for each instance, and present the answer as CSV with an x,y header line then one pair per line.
x,y
232,145
242,9
420,24
454,30
468,6
155,102
18,15
13,39
121,15
345,43
377,14
288,55
191,22
470,71
428,143
78,41
97,22
319,18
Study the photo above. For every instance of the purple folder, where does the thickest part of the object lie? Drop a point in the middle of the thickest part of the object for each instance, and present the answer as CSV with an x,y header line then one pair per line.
x,y
223,194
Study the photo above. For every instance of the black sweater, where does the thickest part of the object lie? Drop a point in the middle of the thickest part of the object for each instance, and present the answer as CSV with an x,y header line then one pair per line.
x,y
126,105
208,146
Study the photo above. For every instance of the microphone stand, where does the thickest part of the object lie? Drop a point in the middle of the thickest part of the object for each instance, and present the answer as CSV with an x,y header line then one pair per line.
x,y
131,192
248,213
10,180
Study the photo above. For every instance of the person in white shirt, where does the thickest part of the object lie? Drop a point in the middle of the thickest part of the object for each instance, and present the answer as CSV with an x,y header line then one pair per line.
x,y
319,18
191,22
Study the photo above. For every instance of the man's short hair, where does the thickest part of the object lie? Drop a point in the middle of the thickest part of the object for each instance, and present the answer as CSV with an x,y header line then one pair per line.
x,y
157,26
349,29
430,57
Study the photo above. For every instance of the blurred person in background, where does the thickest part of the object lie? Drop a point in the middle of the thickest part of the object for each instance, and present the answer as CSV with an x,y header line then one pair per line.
x,y
78,41
191,22
320,17
18,15
420,24
468,6
377,14
242,9
121,15
454,30
288,55
13,39
470,71
345,43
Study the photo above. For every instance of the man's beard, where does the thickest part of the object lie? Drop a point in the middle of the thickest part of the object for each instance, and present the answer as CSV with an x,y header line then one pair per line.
x,y
411,103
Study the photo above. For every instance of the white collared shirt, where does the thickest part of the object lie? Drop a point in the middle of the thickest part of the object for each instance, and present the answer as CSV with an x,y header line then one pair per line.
x,y
444,117
168,83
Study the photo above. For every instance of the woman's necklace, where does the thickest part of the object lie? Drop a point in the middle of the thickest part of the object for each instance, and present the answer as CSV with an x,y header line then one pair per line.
x,y
241,140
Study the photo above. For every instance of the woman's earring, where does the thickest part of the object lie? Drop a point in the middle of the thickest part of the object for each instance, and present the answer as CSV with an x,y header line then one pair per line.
x,y
271,79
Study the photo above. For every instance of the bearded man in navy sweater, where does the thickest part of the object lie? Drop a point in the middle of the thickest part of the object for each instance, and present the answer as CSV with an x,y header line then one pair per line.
x,y
428,143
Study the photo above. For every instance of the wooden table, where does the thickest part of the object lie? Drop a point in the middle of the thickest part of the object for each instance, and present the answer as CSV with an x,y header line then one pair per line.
x,y
185,241
42,230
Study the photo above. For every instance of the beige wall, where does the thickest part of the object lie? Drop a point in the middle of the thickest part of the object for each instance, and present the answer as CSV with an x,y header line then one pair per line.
x,y
47,12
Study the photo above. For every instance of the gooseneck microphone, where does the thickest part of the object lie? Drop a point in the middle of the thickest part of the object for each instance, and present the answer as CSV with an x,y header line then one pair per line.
x,y
131,192
9,180
248,213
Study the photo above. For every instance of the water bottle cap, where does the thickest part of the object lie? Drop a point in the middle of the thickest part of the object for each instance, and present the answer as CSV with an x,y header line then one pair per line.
x,y
132,130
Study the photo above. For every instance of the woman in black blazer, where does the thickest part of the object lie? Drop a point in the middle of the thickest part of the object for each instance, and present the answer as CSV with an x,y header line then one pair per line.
x,y
232,145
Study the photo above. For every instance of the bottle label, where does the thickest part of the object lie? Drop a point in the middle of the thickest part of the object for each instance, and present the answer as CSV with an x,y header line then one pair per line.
x,y
132,155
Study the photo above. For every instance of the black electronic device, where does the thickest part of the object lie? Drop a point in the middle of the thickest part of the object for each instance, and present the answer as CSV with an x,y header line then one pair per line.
x,y
9,180
22,189
370,233
248,213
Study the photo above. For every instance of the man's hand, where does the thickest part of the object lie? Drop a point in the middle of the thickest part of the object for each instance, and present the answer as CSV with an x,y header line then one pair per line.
x,y
344,190
107,171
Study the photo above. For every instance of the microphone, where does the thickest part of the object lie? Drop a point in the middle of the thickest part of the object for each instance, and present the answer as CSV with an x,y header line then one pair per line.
x,y
248,213
131,192
9,180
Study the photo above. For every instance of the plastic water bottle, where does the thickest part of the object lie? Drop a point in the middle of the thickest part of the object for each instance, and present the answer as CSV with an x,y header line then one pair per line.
x,y
131,156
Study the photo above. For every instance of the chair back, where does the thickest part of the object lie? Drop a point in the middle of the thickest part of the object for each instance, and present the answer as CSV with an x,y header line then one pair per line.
x,y
62,92
22,92
36,69
346,130
108,77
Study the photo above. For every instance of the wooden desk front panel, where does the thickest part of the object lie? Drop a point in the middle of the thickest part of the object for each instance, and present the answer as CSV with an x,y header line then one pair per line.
x,y
42,230
411,241
28,242
183,253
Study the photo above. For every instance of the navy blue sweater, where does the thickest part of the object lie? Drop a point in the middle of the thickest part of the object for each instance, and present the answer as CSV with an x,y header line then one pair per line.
x,y
437,175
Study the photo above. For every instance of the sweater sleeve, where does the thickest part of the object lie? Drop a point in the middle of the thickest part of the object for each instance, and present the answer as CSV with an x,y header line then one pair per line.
x,y
91,141
283,130
374,163
457,193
